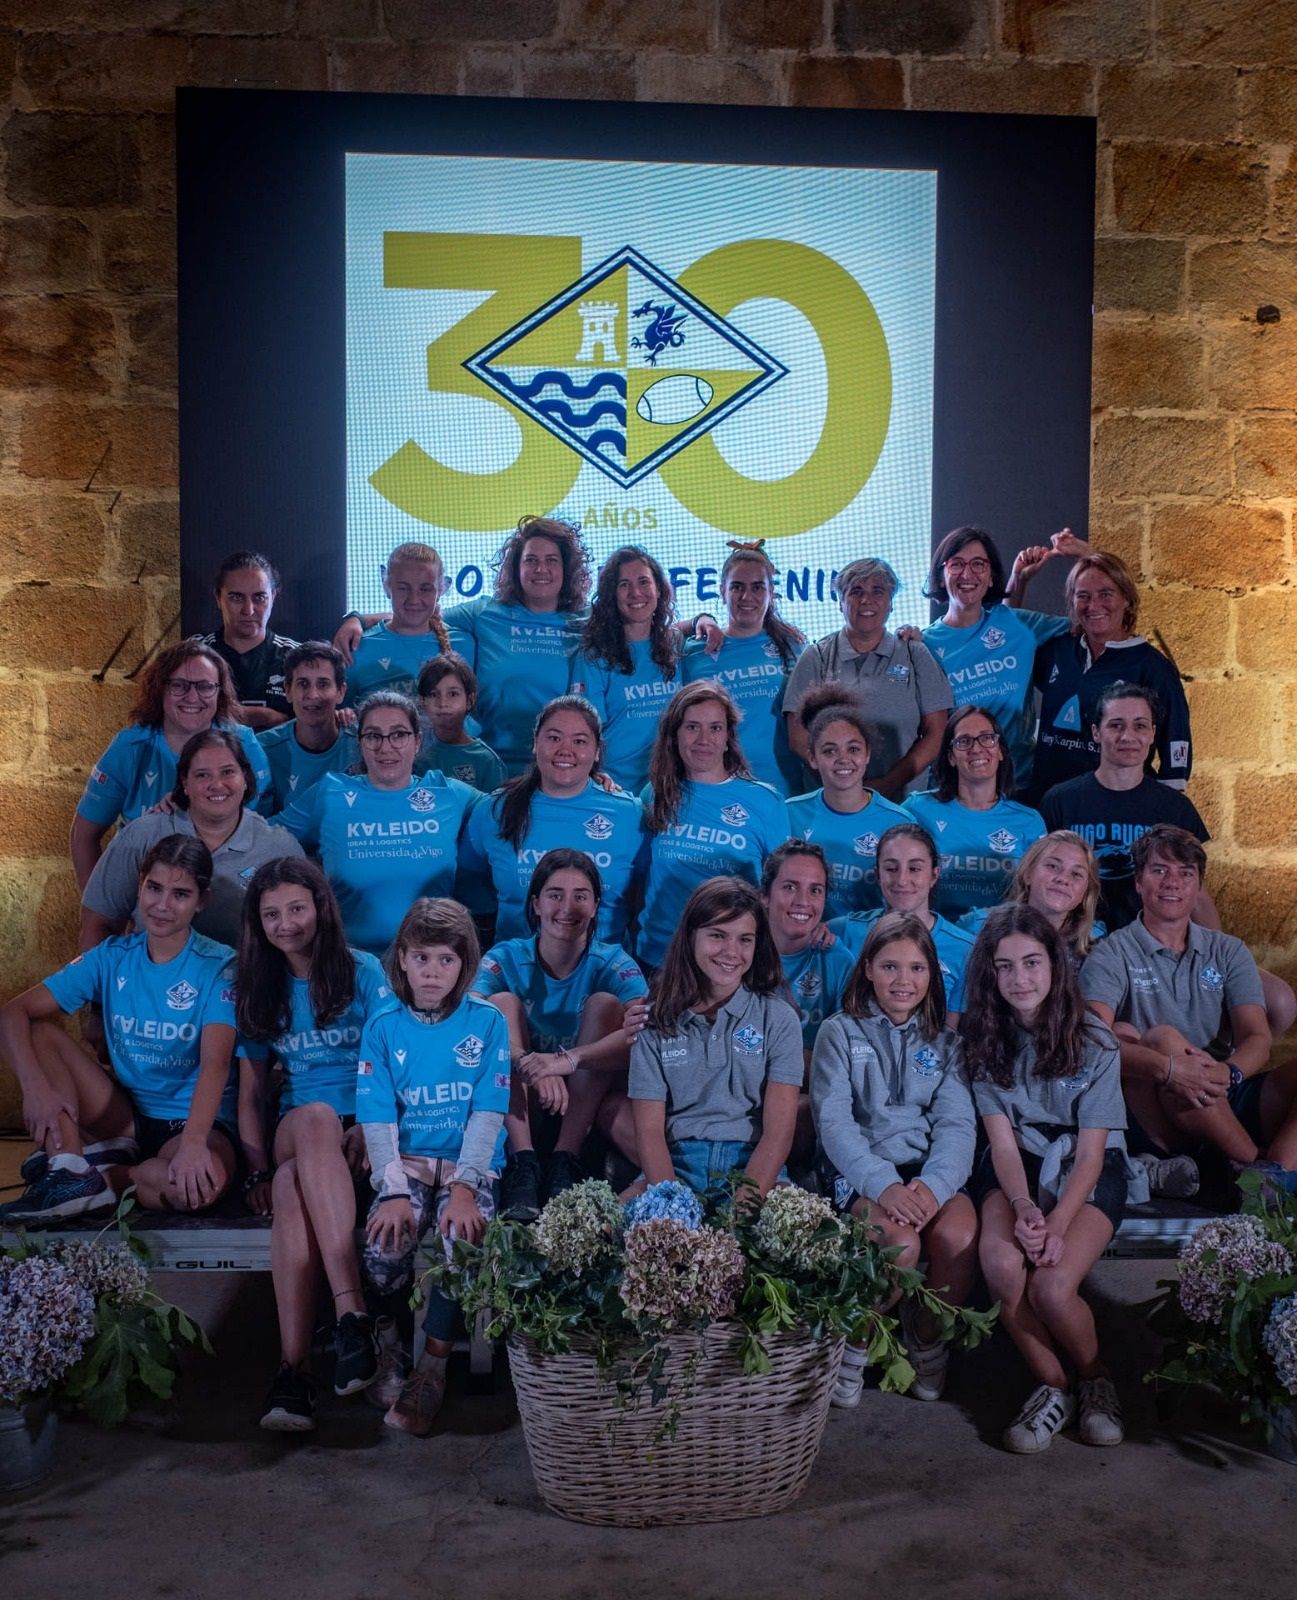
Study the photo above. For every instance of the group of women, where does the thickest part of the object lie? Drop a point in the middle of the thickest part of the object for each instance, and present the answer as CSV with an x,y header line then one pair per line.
x,y
724,926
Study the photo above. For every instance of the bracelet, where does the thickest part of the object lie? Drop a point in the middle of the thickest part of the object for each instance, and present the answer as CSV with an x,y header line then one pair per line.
x,y
1021,1200
254,1178
569,1057
1170,1071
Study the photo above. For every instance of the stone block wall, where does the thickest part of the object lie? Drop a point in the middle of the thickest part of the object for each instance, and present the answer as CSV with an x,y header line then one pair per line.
x,y
1195,355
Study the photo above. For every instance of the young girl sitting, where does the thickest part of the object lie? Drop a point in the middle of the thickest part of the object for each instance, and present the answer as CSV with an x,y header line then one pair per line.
x,y
715,1078
569,999
447,690
303,999
897,1129
432,1088
165,1120
1052,1185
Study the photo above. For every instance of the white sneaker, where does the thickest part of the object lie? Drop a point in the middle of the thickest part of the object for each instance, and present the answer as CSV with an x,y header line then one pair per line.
x,y
1173,1177
851,1379
1046,1411
929,1360
394,1365
1100,1412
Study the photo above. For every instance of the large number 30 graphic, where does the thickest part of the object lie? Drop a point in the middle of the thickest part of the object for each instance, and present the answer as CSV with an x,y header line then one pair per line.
x,y
524,271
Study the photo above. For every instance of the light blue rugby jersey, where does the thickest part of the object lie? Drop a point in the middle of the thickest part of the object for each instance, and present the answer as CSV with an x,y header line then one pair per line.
x,y
989,665
753,672
293,770
953,944
607,827
154,1015
139,768
850,842
979,849
474,763
722,829
382,848
816,979
522,660
553,1005
630,706
320,1061
388,660
429,1077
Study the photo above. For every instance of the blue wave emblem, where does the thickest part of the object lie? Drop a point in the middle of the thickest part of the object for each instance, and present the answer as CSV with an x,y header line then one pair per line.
x,y
536,394
561,380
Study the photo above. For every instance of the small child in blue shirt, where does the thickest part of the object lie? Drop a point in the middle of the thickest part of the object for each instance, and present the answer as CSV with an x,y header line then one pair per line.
x,y
432,1088
447,691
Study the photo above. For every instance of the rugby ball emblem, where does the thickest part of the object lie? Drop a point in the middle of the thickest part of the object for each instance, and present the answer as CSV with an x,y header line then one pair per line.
x,y
674,399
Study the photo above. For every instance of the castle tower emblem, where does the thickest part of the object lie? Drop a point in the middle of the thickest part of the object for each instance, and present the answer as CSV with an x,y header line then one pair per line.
x,y
598,328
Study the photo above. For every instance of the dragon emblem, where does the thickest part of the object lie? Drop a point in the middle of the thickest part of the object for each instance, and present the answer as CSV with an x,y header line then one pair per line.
x,y
661,332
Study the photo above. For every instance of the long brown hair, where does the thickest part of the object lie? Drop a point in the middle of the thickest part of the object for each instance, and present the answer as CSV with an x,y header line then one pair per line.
x,y
575,588
265,986
603,639
680,984
512,803
413,551
1062,1027
667,769
151,691
785,636
1078,925
891,927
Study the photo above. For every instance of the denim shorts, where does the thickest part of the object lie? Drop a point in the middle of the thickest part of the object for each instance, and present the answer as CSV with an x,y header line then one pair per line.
x,y
704,1164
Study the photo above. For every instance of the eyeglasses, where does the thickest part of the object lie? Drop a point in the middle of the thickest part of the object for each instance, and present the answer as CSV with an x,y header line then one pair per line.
x,y
979,566
372,739
180,687
966,741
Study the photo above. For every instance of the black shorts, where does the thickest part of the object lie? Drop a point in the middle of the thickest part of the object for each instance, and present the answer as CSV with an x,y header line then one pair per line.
x,y
1244,1101
151,1133
1109,1193
840,1191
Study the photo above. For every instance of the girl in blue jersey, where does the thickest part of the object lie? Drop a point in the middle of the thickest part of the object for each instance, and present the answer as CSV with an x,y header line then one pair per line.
x,y
390,651
184,690
982,834
554,802
897,1130
845,817
573,1004
986,647
909,870
794,891
303,999
432,1088
383,837
706,814
752,659
628,667
166,1120
1059,877
447,692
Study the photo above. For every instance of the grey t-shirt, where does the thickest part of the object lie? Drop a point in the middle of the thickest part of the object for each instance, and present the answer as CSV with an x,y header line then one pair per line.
x,y
713,1075
1039,1109
885,1096
898,683
113,886
1147,984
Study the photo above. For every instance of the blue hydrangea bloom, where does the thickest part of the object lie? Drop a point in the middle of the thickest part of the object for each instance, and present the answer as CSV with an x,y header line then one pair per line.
x,y
674,1202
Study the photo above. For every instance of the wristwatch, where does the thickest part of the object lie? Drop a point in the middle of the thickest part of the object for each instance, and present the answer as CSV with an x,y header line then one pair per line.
x,y
1235,1075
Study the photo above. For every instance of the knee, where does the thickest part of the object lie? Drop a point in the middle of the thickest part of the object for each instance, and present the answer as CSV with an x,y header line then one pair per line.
x,y
601,1015
317,1122
1050,1293
1280,1003
1165,1038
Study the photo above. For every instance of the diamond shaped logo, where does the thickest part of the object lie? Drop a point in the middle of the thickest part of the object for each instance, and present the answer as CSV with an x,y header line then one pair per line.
x,y
626,367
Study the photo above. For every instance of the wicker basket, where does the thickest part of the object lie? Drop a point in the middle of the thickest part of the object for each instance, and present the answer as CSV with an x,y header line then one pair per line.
x,y
744,1446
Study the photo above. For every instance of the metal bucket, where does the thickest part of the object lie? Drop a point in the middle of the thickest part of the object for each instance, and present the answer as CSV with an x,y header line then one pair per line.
x,y
27,1435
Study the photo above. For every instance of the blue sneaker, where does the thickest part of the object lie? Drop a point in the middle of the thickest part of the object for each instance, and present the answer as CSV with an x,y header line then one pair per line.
x,y
60,1193
34,1168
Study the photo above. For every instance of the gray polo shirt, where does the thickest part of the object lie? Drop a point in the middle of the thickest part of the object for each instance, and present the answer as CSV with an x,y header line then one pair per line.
x,y
885,1097
713,1075
1147,984
113,885
898,683
1039,1109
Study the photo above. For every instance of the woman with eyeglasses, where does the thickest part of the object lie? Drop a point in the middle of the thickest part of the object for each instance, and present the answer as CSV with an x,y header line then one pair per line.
x,y
985,645
184,690
384,837
981,833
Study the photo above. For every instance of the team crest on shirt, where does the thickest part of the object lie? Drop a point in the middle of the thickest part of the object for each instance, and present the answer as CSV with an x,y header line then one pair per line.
x,y
423,800
749,1040
598,827
899,673
1003,842
181,996
808,985
771,651
736,815
993,638
1179,752
842,1192
468,1052
927,1063
1211,979
865,844
464,774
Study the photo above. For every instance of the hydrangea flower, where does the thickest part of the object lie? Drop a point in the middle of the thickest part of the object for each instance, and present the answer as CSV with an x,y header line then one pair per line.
x,y
676,1273
110,1271
665,1202
786,1227
1239,1249
46,1316
580,1227
1280,1339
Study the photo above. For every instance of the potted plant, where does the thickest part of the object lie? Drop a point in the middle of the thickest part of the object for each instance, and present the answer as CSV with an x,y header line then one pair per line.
x,y
1230,1315
676,1366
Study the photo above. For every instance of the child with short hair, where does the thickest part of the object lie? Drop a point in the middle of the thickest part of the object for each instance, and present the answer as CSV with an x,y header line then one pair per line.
x,y
447,689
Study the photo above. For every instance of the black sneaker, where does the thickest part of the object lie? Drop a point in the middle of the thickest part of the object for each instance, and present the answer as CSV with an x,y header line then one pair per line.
x,y
355,1349
520,1187
563,1171
290,1405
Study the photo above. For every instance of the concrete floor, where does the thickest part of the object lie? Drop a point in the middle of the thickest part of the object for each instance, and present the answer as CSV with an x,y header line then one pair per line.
x,y
906,1499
